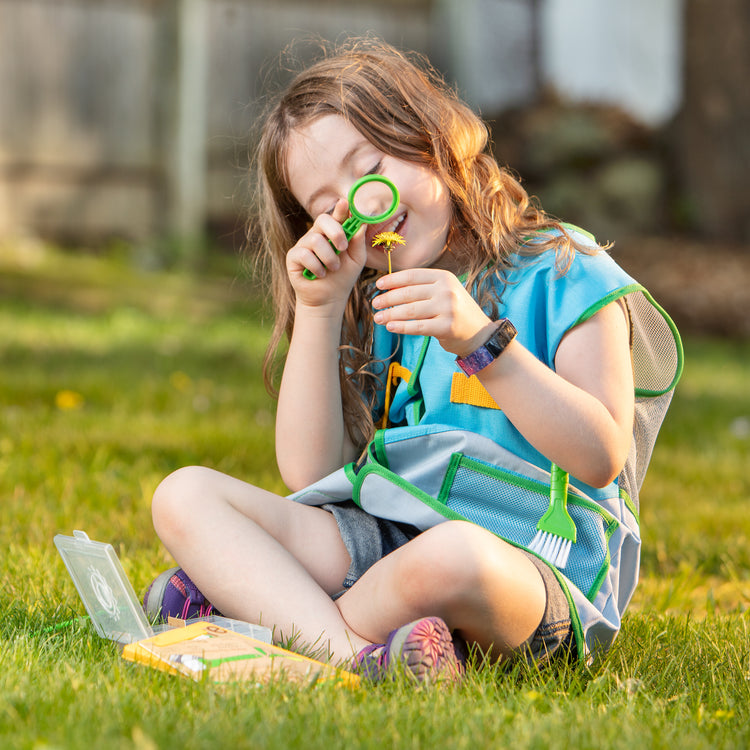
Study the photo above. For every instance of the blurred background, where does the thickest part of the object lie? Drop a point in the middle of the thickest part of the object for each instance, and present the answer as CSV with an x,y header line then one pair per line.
x,y
129,122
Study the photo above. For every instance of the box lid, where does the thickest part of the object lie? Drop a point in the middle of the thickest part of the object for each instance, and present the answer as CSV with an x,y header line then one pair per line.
x,y
104,588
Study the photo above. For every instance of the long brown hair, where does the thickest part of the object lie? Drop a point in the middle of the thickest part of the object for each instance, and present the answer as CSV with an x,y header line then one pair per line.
x,y
405,109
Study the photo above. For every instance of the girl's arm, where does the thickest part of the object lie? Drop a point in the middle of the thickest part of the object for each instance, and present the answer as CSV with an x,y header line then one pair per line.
x,y
310,437
311,440
580,417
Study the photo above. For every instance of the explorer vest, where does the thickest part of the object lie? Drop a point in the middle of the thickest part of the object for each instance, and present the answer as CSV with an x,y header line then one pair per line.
x,y
450,452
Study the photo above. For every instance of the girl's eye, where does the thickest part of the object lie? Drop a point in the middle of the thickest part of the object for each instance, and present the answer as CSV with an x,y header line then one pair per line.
x,y
376,169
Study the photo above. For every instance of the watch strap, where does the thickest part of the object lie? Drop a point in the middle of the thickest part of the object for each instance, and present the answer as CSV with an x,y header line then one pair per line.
x,y
486,354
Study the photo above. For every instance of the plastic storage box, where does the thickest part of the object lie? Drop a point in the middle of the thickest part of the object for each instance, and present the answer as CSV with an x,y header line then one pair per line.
x,y
109,598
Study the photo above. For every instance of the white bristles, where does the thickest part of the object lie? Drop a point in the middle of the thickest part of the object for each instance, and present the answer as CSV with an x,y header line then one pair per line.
x,y
553,548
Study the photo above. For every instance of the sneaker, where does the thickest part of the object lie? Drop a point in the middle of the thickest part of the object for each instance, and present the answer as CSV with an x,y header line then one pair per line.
x,y
423,648
173,594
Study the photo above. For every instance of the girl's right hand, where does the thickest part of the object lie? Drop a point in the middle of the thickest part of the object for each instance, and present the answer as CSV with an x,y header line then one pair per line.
x,y
336,273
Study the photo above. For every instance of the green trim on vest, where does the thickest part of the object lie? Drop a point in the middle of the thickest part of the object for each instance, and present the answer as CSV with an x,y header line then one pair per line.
x,y
413,384
351,474
604,301
377,451
623,292
678,346
630,505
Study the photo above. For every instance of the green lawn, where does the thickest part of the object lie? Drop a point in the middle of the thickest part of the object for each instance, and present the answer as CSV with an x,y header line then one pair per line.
x,y
110,378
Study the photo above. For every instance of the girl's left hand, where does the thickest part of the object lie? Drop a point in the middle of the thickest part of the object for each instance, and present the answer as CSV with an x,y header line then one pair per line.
x,y
432,302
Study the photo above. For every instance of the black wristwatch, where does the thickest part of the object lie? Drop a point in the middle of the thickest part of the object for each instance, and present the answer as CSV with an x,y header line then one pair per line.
x,y
486,354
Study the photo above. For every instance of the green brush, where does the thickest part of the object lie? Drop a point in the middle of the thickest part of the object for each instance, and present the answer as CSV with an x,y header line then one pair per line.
x,y
556,529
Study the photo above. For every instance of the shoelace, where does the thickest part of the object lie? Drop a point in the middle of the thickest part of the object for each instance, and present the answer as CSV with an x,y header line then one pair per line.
x,y
203,611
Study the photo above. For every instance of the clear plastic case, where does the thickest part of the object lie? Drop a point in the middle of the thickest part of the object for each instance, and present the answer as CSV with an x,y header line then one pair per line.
x,y
109,598
104,588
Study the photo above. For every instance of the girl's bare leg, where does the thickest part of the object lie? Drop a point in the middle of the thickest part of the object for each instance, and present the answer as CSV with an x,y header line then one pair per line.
x,y
263,558
257,556
478,584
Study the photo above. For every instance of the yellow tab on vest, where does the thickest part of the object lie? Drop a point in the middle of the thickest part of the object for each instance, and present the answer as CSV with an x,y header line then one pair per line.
x,y
395,372
469,390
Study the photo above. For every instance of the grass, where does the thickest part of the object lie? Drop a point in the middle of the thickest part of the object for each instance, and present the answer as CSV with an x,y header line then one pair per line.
x,y
110,378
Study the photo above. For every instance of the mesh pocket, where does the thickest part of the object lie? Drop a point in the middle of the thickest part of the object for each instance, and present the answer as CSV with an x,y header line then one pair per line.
x,y
510,505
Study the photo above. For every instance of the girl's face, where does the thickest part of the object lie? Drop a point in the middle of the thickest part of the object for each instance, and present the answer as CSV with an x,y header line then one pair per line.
x,y
326,157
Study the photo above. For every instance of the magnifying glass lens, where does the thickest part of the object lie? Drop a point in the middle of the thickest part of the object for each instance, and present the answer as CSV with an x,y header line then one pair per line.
x,y
372,199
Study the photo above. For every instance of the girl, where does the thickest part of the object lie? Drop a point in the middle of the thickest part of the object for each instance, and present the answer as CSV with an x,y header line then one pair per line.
x,y
503,345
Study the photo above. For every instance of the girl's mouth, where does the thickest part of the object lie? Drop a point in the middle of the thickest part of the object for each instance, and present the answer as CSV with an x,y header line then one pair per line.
x,y
395,225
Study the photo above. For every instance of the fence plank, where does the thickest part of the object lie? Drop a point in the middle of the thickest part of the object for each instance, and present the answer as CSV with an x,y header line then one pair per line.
x,y
185,136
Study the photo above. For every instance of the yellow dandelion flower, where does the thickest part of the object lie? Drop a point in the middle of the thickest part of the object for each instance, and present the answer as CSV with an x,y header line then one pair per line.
x,y
66,400
388,239
181,381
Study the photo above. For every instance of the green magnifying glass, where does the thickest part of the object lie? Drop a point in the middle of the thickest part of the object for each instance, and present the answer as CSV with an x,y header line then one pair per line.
x,y
368,193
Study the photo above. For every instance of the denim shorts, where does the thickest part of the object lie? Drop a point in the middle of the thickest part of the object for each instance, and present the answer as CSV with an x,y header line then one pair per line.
x,y
369,539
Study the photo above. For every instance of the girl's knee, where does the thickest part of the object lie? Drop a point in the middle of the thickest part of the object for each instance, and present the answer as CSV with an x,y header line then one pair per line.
x,y
444,558
174,496
475,581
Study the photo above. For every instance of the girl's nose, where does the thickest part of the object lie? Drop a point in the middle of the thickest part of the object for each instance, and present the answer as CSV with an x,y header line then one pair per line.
x,y
372,199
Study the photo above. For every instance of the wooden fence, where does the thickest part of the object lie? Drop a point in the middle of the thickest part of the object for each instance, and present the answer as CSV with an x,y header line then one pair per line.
x,y
130,118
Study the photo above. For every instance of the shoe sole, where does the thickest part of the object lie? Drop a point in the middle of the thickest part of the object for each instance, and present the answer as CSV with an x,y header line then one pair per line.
x,y
425,648
152,601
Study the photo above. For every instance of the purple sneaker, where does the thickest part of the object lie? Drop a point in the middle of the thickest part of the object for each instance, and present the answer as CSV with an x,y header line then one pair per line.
x,y
423,648
173,594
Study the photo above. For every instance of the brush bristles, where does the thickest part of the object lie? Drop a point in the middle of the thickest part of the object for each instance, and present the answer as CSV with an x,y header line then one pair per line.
x,y
553,548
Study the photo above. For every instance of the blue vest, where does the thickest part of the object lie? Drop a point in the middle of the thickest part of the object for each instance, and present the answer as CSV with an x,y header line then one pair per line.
x,y
453,454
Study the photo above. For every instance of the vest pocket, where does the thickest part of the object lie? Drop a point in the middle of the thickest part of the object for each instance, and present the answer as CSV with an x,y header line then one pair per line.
x,y
511,505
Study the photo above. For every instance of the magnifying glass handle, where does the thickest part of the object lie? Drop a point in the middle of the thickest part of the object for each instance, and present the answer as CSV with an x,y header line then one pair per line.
x,y
350,227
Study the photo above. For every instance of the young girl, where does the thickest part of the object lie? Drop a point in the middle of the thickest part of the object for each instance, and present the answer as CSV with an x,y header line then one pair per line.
x,y
504,347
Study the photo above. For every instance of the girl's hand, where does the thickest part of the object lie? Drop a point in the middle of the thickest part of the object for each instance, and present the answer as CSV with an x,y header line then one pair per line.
x,y
432,302
336,274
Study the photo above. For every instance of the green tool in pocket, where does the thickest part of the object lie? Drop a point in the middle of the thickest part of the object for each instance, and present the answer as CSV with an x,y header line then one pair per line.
x,y
556,531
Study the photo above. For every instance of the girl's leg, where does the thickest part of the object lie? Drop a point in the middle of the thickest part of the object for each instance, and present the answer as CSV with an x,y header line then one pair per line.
x,y
483,587
257,556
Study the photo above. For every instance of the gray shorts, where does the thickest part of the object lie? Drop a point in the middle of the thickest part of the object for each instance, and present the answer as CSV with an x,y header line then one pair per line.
x,y
369,539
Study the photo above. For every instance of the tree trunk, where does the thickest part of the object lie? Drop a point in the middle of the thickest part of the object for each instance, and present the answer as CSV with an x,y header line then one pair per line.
x,y
714,125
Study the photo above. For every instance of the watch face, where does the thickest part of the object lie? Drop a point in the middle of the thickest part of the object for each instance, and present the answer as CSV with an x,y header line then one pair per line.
x,y
495,345
504,334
